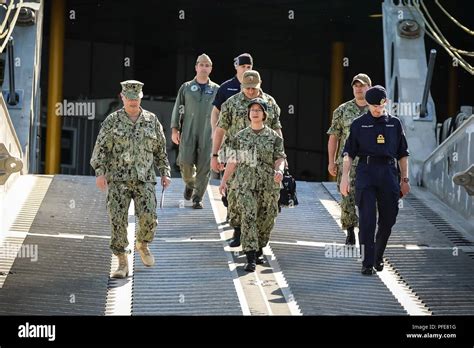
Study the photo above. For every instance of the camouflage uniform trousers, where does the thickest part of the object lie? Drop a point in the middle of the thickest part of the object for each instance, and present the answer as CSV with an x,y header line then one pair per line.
x,y
233,209
349,216
258,211
119,195
233,213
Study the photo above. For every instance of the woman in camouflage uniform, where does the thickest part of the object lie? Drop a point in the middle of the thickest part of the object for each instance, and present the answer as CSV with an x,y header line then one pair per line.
x,y
258,162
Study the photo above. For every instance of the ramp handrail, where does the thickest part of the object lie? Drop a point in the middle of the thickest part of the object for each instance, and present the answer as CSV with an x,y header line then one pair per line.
x,y
4,113
5,35
461,128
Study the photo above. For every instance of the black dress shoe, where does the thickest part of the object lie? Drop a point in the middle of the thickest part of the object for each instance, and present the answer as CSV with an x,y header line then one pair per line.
x,y
379,266
350,239
260,259
188,192
367,270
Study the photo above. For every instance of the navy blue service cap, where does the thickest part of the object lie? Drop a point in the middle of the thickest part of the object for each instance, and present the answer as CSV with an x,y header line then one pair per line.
x,y
376,95
244,58
258,101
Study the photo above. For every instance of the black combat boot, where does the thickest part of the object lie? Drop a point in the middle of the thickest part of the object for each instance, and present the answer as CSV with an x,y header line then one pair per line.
x,y
350,239
235,242
251,261
260,259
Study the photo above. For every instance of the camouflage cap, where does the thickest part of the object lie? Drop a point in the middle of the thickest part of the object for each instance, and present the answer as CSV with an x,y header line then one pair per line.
x,y
362,78
258,101
203,58
132,89
251,79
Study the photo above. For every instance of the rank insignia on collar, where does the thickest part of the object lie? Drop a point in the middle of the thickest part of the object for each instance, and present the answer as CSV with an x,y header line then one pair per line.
x,y
380,139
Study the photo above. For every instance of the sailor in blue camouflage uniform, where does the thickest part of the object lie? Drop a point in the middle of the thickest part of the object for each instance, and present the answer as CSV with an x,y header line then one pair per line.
x,y
379,141
130,143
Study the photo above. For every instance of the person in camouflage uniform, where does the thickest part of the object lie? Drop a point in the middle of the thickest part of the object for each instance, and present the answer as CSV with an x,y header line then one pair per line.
x,y
232,119
130,142
258,163
191,130
338,134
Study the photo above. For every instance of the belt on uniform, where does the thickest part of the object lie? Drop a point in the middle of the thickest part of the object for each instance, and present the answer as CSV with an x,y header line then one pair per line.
x,y
376,160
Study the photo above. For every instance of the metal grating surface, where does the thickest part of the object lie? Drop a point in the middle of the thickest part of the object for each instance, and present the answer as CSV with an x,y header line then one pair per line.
x,y
439,223
179,220
70,276
412,227
445,282
36,188
333,286
323,285
443,279
331,187
189,278
74,205
308,221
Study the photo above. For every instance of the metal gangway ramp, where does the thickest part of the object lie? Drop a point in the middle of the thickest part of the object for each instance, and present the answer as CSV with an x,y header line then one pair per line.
x,y
55,258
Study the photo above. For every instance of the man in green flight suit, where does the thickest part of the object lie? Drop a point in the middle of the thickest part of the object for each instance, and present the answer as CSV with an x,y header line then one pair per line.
x,y
191,130
130,142
338,134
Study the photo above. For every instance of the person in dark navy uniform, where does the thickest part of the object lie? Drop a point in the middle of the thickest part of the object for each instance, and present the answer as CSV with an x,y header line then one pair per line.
x,y
379,141
242,63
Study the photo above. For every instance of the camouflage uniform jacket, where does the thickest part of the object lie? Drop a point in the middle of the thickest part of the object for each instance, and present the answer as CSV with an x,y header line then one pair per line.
x,y
341,124
127,151
233,115
256,154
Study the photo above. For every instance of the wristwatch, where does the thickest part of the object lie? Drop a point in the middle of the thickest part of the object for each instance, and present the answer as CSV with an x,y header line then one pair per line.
x,y
406,180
